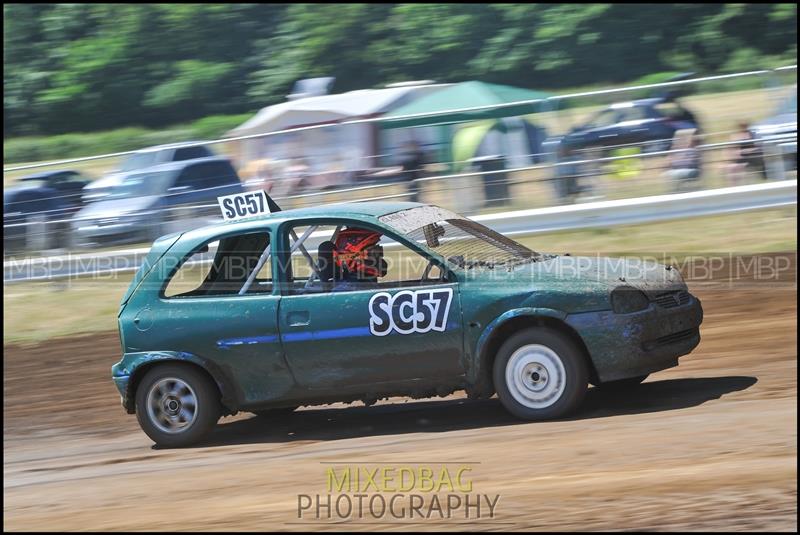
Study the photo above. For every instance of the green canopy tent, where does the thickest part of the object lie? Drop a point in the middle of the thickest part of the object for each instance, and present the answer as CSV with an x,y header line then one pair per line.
x,y
478,103
476,100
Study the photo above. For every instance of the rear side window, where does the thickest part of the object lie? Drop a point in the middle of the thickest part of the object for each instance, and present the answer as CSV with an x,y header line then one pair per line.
x,y
190,153
236,265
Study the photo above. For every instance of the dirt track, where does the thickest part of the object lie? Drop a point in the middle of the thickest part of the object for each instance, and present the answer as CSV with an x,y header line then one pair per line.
x,y
710,445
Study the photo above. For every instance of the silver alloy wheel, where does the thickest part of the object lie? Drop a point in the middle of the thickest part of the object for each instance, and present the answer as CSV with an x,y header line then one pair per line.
x,y
171,405
535,376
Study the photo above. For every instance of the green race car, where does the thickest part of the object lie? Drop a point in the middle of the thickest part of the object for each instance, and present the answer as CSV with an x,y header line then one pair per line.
x,y
266,313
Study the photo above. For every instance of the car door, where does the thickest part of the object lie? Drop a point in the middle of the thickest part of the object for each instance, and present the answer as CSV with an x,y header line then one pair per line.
x,y
389,332
606,131
639,125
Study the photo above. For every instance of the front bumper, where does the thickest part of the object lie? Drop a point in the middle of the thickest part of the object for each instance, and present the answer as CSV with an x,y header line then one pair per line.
x,y
629,345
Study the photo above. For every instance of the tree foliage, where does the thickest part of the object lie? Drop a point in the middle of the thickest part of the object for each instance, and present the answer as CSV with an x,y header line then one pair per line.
x,y
88,67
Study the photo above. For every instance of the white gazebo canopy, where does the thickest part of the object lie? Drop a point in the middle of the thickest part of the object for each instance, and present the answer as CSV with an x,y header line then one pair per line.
x,y
330,108
339,148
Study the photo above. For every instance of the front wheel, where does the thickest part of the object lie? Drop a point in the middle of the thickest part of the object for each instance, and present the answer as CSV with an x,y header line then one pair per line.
x,y
177,405
540,374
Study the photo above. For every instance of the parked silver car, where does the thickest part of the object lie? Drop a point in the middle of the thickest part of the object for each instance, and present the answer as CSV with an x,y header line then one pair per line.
x,y
776,136
157,200
147,157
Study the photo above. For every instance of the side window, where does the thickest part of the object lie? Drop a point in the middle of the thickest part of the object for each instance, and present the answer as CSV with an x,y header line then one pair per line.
x,y
310,265
603,119
236,265
637,113
338,258
190,153
72,177
220,174
671,110
58,179
406,267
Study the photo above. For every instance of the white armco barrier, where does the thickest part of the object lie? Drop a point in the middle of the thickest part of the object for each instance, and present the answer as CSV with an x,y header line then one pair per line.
x,y
537,220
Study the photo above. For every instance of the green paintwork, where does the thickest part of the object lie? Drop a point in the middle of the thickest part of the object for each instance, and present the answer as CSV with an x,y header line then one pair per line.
x,y
271,350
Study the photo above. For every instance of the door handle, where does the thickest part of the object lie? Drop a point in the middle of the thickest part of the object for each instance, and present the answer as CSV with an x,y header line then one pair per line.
x,y
298,318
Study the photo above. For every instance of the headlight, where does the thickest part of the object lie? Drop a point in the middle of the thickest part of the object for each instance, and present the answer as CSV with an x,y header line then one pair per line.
x,y
625,300
678,275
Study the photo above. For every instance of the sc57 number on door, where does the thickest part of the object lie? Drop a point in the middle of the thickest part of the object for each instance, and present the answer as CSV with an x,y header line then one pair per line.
x,y
410,311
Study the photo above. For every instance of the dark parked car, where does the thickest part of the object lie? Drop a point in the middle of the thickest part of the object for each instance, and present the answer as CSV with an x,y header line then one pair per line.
x,y
157,200
622,129
650,123
148,157
49,198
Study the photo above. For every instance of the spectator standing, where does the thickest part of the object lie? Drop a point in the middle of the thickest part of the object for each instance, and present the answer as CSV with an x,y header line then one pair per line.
x,y
742,155
412,162
685,159
566,174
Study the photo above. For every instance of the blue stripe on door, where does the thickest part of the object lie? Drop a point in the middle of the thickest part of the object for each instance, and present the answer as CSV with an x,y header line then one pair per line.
x,y
349,332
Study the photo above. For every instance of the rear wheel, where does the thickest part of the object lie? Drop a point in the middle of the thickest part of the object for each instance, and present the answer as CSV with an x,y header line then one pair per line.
x,y
177,405
540,374
622,384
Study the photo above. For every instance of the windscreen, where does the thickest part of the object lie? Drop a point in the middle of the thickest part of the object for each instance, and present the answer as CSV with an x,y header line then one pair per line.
x,y
462,242
139,161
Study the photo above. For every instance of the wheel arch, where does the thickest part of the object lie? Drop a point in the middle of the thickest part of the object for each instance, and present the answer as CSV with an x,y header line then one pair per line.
x,y
514,321
144,364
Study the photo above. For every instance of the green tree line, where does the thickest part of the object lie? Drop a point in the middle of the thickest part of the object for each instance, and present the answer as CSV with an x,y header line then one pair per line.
x,y
90,67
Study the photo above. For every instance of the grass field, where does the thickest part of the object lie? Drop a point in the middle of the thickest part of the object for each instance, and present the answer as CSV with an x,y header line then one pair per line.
x,y
38,311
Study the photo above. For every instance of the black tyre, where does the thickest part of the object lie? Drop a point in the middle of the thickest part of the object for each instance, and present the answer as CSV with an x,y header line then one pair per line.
x,y
274,413
622,384
177,405
540,374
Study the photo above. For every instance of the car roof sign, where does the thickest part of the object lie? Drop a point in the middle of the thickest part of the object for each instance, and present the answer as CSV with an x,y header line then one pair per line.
x,y
248,204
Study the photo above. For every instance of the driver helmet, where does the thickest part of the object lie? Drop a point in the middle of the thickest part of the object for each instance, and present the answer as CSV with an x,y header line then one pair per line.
x,y
357,254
